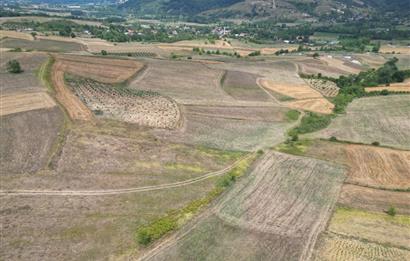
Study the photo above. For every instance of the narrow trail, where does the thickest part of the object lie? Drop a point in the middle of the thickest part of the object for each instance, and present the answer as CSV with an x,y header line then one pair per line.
x,y
104,192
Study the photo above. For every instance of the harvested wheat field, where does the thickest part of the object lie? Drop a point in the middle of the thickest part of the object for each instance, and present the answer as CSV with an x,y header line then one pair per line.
x,y
367,165
99,69
185,82
14,103
140,107
334,247
275,212
394,49
25,81
385,119
16,35
320,105
42,45
376,200
26,139
393,87
230,128
374,227
316,66
326,88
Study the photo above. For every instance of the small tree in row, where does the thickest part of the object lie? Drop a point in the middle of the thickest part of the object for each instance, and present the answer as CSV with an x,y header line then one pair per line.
x,y
13,66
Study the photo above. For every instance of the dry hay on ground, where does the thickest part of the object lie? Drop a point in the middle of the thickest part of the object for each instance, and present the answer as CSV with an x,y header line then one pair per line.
x,y
342,64
26,139
143,108
374,227
374,199
42,45
385,119
25,81
183,81
234,128
96,46
306,97
340,248
275,212
316,66
100,69
326,88
368,165
370,59
243,86
20,102
320,105
16,35
394,48
393,87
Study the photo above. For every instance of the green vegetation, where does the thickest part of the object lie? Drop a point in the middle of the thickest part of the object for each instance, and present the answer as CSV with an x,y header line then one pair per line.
x,y
297,147
104,52
176,218
311,122
292,115
255,53
391,211
13,66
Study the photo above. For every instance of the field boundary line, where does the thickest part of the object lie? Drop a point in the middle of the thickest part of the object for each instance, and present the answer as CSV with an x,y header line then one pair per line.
x,y
122,191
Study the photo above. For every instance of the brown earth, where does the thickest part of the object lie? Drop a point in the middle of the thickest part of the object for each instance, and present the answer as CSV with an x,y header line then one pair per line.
x,y
397,49
20,102
394,87
17,35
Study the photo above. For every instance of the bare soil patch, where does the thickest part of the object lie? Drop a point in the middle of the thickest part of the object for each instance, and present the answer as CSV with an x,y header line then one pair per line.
x,y
26,139
243,86
320,105
42,45
16,35
394,49
374,199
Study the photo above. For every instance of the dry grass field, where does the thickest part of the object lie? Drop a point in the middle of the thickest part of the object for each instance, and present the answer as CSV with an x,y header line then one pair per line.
x,y
394,87
385,119
275,212
232,128
183,81
14,103
359,235
25,81
104,155
121,103
332,67
376,200
42,45
368,165
16,35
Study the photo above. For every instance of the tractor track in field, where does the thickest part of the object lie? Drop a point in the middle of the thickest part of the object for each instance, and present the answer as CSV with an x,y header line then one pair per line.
x,y
105,192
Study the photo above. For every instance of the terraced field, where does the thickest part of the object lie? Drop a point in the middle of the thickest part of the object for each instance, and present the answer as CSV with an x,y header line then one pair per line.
x,y
384,119
275,212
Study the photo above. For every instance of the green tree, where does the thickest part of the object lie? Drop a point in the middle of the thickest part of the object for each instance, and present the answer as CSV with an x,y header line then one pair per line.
x,y
13,66
104,52
391,211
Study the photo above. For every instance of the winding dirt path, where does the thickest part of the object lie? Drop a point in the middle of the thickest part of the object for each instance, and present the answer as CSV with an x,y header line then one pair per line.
x,y
121,191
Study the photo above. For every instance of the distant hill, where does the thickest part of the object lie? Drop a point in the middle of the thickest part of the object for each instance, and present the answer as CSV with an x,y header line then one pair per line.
x,y
292,9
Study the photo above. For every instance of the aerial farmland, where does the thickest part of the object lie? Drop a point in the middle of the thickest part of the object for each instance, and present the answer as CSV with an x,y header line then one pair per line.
x,y
201,150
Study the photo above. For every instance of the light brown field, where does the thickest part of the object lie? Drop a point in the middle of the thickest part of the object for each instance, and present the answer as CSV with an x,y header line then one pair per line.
x,y
394,87
99,69
335,247
341,64
19,102
320,105
14,34
397,49
368,165
376,200
274,213
307,98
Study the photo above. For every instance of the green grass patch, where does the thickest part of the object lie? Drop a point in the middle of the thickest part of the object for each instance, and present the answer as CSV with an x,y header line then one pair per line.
x,y
294,147
311,122
185,167
292,115
44,74
176,218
